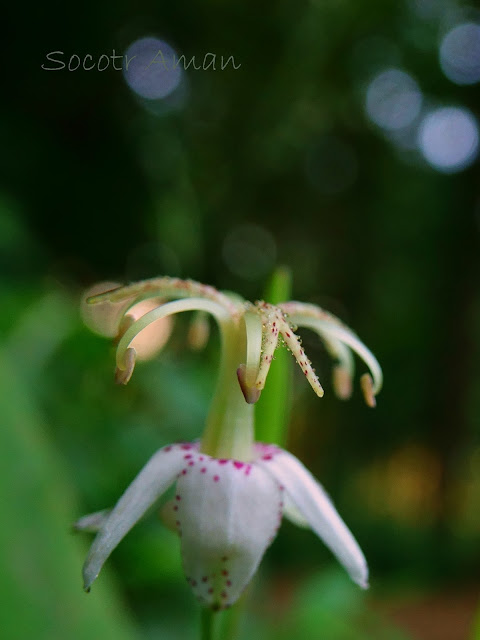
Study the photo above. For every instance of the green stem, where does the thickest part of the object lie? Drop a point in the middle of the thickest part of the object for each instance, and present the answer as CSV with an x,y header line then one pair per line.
x,y
229,431
231,618
206,622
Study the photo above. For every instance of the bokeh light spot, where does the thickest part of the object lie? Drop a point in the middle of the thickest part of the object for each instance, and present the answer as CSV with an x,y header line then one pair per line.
x,y
393,99
106,318
448,139
151,68
460,54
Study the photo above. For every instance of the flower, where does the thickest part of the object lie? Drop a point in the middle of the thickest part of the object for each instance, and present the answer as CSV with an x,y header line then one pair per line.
x,y
231,493
226,512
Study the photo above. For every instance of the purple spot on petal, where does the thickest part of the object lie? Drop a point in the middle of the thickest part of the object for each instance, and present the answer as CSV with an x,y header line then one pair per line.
x,y
237,465
216,478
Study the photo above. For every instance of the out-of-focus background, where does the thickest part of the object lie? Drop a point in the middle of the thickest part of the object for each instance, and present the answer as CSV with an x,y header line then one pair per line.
x,y
340,139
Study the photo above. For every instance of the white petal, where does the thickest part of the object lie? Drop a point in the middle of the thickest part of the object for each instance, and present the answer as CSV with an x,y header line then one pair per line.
x,y
317,508
228,512
155,477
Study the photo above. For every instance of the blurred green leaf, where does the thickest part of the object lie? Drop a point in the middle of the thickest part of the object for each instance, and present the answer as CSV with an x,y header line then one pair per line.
x,y
41,590
329,605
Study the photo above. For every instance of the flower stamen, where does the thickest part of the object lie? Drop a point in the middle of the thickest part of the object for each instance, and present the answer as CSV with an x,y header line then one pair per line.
x,y
334,333
342,382
293,343
263,324
167,309
270,321
366,384
124,373
250,393
199,331
254,333
166,287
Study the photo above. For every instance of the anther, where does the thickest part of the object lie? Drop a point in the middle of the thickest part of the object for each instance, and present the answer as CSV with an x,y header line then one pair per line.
x,y
366,383
122,376
251,394
342,382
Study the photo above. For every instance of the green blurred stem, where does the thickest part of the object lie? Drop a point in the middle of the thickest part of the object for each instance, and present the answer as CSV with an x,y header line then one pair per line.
x,y
207,619
273,408
230,618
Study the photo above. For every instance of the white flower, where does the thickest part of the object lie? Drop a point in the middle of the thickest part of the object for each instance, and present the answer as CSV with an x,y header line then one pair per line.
x,y
231,492
227,512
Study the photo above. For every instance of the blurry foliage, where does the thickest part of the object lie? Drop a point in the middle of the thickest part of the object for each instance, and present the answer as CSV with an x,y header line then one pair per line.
x,y
40,588
92,187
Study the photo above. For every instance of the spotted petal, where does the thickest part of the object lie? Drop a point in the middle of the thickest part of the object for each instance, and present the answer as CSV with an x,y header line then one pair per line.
x,y
316,507
227,514
155,478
